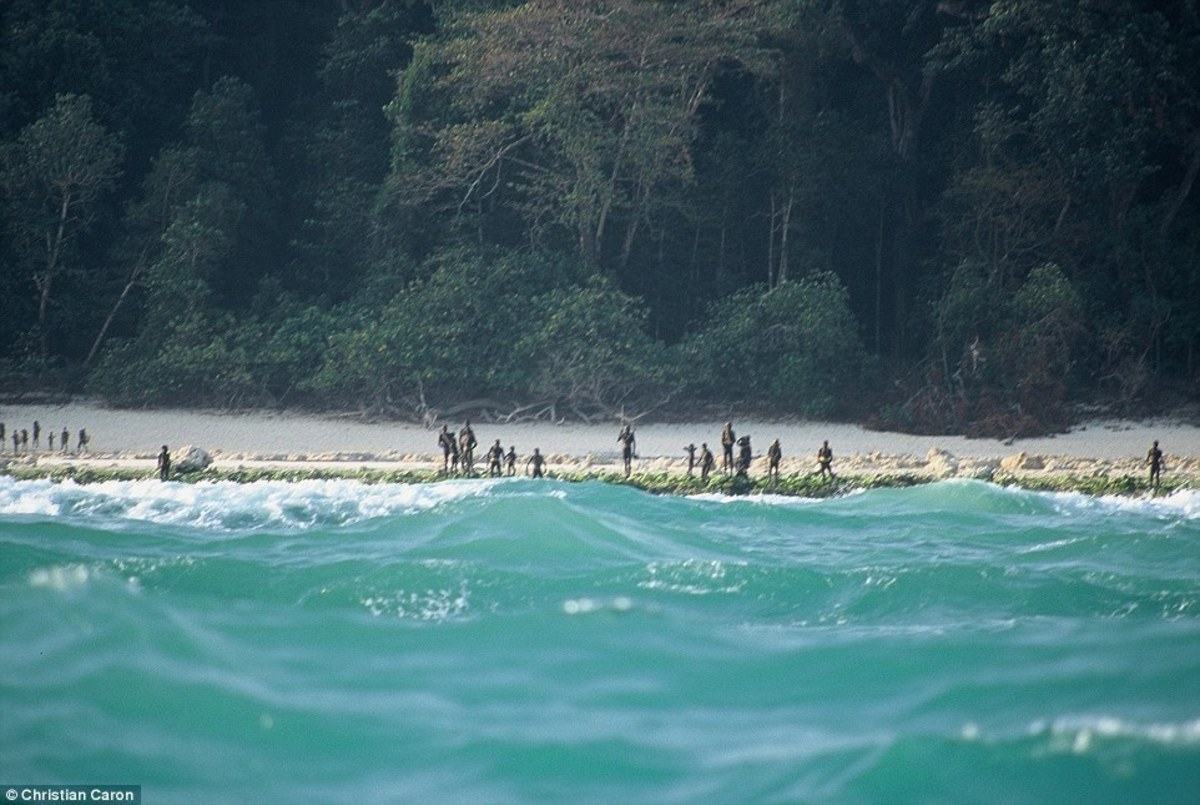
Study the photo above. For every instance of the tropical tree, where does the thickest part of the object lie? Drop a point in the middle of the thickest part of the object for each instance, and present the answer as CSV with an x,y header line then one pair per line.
x,y
53,177
573,117
585,349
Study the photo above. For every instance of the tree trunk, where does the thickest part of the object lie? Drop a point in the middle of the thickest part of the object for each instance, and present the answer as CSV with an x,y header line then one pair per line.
x,y
46,282
781,276
112,313
771,243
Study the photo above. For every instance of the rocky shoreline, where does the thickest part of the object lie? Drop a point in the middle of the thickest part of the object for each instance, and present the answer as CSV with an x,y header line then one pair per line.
x,y
654,474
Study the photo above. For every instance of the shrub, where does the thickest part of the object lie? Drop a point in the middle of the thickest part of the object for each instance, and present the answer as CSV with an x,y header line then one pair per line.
x,y
796,345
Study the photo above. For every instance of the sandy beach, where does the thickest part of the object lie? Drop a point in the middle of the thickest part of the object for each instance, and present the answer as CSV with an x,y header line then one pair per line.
x,y
132,438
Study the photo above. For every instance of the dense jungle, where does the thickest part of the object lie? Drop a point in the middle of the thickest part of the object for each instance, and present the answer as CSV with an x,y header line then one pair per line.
x,y
970,217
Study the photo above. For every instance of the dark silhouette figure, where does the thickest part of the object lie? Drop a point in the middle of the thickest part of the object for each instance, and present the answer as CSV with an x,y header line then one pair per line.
x,y
83,440
707,461
65,443
691,454
510,460
825,460
164,464
16,440
37,434
536,461
1155,459
727,443
774,454
446,442
50,441
24,440
495,456
2,432
744,455
466,447
628,443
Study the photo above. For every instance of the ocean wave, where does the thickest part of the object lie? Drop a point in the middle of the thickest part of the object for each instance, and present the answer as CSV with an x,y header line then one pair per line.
x,y
291,506
1078,734
1081,734
229,506
1182,503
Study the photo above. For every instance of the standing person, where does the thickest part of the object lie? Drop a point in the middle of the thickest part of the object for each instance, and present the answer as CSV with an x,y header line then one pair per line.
x,y
83,440
691,454
164,464
37,434
707,461
446,442
825,460
50,439
537,461
495,455
16,439
510,460
24,440
466,446
744,455
727,443
1155,459
628,441
774,454
1,437
65,443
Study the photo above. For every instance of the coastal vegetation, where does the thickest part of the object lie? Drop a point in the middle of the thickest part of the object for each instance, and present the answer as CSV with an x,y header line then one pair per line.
x,y
932,216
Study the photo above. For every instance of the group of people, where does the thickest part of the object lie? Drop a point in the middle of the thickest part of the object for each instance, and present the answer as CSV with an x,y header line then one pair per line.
x,y
458,455
25,440
740,464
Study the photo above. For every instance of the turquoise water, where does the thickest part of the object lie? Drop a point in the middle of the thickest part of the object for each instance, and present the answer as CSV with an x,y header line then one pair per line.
x,y
521,641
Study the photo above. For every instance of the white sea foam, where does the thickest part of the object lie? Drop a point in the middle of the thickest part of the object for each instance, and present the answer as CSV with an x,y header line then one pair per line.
x,y
586,606
438,605
1184,503
60,577
1078,734
231,506
758,499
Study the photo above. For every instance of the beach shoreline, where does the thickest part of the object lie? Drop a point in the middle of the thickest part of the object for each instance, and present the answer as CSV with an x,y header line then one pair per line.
x,y
129,440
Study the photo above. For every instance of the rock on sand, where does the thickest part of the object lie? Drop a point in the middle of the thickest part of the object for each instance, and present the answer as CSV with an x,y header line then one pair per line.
x,y
192,459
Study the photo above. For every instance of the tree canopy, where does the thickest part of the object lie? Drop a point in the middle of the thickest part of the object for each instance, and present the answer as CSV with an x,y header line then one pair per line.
x,y
936,215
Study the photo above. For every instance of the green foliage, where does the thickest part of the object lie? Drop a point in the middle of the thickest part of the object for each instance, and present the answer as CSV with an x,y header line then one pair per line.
x,y
498,324
397,207
1046,324
53,178
795,346
580,115
447,335
229,362
1004,360
587,347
